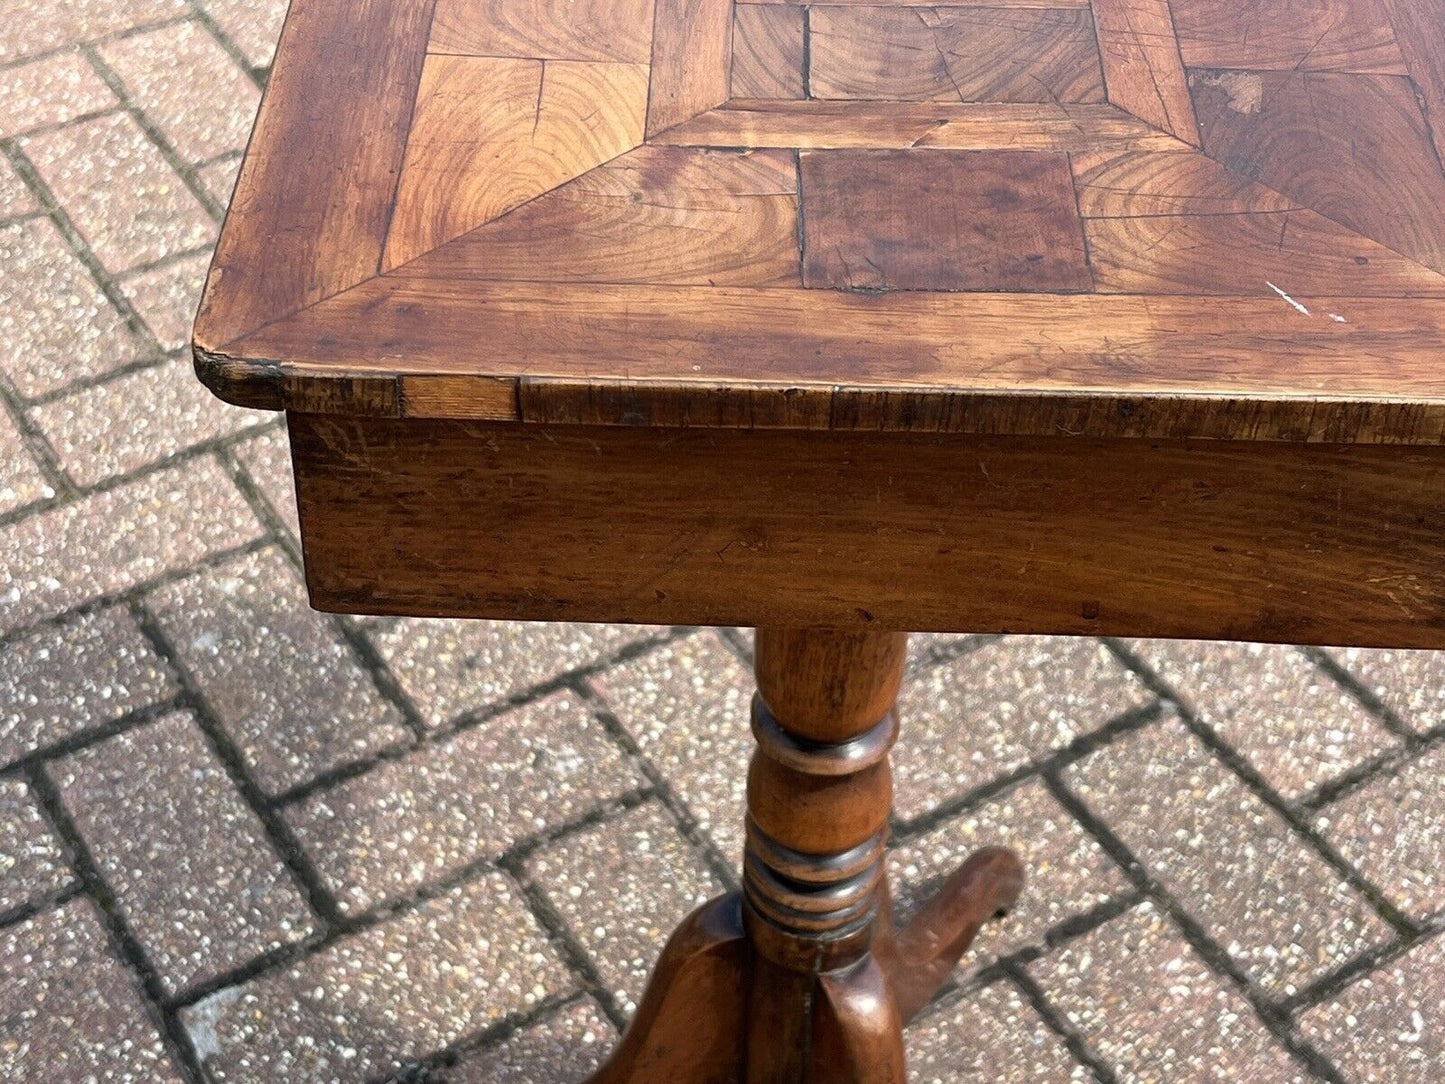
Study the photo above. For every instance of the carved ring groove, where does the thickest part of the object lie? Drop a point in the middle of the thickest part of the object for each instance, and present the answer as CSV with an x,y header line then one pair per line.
x,y
822,758
811,924
814,868
812,895
811,899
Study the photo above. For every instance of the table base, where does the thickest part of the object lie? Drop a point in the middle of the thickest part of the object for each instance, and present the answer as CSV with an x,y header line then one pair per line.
x,y
802,978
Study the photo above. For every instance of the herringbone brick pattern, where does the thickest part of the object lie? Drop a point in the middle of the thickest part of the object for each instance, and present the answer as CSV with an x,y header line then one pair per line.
x,y
240,841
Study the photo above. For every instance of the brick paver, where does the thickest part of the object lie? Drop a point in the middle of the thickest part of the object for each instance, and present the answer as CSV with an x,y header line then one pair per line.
x,y
252,25
136,419
158,794
1141,998
1270,901
21,479
1391,828
621,888
280,677
267,462
686,706
368,1003
32,861
1409,683
15,199
1000,707
165,297
82,674
1388,1026
989,1036
244,842
410,822
56,325
1068,871
1290,721
118,189
33,28
453,667
158,69
118,539
219,177
561,1049
70,1011
51,91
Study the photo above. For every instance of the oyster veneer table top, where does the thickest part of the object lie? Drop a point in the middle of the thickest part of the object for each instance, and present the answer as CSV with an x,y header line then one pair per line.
x,y
1214,218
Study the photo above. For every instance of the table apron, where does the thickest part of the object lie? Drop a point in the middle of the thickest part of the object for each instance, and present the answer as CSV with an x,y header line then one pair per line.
x,y
1268,541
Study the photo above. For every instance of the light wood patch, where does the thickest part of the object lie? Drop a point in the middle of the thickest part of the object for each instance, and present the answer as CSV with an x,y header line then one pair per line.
x,y
529,126
597,30
1043,126
657,214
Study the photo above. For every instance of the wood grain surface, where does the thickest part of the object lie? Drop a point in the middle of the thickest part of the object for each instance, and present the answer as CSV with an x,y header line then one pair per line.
x,y
1033,126
1127,183
1127,217
322,179
953,54
1280,542
769,56
968,363
1142,66
1287,252
598,30
1355,148
657,214
537,124
692,43
1288,35
1417,30
941,220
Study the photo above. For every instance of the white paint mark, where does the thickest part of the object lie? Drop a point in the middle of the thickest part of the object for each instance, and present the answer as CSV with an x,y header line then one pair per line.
x,y
1295,304
202,1019
1337,318
1417,1028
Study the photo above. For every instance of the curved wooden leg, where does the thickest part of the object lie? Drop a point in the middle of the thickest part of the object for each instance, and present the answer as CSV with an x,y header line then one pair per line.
x,y
689,1027
919,957
857,1033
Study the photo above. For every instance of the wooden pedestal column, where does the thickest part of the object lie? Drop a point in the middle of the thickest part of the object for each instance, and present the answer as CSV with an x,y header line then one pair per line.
x,y
819,793
802,979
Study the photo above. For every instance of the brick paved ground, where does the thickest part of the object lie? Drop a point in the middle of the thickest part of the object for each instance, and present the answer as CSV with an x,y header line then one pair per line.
x,y
240,841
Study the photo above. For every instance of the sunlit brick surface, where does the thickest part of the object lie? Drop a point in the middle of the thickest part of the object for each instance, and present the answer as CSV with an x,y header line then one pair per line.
x,y
1388,1026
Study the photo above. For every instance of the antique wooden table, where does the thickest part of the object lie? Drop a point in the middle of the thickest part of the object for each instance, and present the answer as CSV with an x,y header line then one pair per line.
x,y
843,319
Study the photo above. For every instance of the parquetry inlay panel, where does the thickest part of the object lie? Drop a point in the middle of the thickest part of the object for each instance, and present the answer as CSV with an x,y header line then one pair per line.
x,y
908,220
519,97
1232,149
